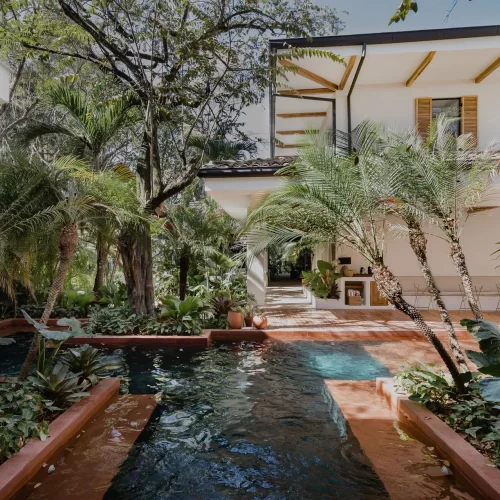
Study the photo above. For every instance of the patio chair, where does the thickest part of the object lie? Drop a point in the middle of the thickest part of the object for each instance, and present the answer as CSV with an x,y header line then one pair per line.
x,y
421,292
464,304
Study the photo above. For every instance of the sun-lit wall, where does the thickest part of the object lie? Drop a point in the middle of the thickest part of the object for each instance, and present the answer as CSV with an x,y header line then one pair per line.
x,y
4,83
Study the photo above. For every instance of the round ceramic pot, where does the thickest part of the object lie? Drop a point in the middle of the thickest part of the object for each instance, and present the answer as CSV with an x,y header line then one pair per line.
x,y
249,321
235,320
260,322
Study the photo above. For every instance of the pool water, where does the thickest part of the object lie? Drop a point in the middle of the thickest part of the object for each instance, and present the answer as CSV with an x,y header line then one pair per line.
x,y
246,421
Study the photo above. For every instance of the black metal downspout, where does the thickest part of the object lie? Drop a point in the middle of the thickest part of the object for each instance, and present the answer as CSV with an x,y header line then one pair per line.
x,y
349,125
272,99
334,123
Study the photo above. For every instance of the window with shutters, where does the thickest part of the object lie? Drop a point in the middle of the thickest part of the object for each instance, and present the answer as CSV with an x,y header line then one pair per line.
x,y
465,109
450,108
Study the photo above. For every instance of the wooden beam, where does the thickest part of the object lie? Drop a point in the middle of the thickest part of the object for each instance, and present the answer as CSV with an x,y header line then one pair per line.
x,y
487,72
475,210
347,72
301,115
309,75
289,146
305,91
428,58
293,132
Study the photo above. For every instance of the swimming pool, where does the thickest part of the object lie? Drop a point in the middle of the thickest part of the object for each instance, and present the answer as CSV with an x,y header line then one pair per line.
x,y
245,420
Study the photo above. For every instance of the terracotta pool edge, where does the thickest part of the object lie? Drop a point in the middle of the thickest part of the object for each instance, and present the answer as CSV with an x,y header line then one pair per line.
x,y
19,469
471,465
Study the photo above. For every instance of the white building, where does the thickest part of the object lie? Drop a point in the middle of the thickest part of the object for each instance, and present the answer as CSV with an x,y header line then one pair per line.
x,y
400,79
5,72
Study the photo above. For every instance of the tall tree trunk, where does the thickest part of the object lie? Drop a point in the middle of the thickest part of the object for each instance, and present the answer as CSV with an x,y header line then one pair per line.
x,y
68,241
137,259
392,290
418,243
102,250
458,258
183,274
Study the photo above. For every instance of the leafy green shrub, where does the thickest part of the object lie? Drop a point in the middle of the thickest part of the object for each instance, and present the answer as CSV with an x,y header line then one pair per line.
x,y
90,363
21,417
471,415
113,294
323,282
112,321
185,316
488,360
61,386
77,302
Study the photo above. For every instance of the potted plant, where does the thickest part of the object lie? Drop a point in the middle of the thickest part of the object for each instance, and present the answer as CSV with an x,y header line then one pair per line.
x,y
260,320
248,315
235,318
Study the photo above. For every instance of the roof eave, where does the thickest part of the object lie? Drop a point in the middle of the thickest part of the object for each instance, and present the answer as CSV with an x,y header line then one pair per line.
x,y
239,172
389,37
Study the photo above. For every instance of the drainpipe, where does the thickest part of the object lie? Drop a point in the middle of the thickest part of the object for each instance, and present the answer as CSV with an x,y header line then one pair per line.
x,y
272,99
349,126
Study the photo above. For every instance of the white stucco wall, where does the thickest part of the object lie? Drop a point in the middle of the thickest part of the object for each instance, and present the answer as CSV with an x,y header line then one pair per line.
x,y
4,83
479,240
395,106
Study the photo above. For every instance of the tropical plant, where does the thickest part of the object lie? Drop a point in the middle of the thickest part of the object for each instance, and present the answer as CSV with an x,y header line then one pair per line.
x,y
323,282
114,294
223,149
118,320
472,415
449,177
60,386
90,363
77,301
331,198
94,132
488,360
21,417
398,192
186,315
86,197
195,230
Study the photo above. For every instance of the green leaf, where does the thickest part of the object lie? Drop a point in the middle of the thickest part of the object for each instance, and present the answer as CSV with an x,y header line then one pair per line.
x,y
31,321
56,336
74,324
490,389
7,341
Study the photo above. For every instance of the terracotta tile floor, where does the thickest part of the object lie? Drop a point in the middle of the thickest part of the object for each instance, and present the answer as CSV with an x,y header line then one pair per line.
x,y
288,309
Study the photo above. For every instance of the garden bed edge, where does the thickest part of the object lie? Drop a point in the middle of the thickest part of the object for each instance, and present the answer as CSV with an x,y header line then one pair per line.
x,y
471,465
20,468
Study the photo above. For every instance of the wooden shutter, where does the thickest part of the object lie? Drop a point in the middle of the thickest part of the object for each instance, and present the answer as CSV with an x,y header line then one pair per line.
x,y
423,115
469,115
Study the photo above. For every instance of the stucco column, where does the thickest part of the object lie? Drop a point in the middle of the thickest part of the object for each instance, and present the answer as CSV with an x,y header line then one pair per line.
x,y
257,276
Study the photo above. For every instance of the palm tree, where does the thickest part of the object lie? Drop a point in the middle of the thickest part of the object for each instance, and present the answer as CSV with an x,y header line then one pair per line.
x,y
28,206
396,188
84,198
194,229
333,197
95,131
445,178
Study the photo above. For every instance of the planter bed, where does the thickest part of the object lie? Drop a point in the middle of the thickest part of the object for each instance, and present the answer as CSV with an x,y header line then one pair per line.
x,y
470,464
20,468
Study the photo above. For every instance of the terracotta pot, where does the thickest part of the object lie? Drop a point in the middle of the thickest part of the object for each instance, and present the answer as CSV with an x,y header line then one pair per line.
x,y
235,320
260,322
249,321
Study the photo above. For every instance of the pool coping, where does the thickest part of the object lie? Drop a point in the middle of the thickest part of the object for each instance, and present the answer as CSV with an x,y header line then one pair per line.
x,y
472,465
20,468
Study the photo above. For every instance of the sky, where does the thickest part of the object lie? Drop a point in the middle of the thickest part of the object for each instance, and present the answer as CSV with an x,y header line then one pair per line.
x,y
372,16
